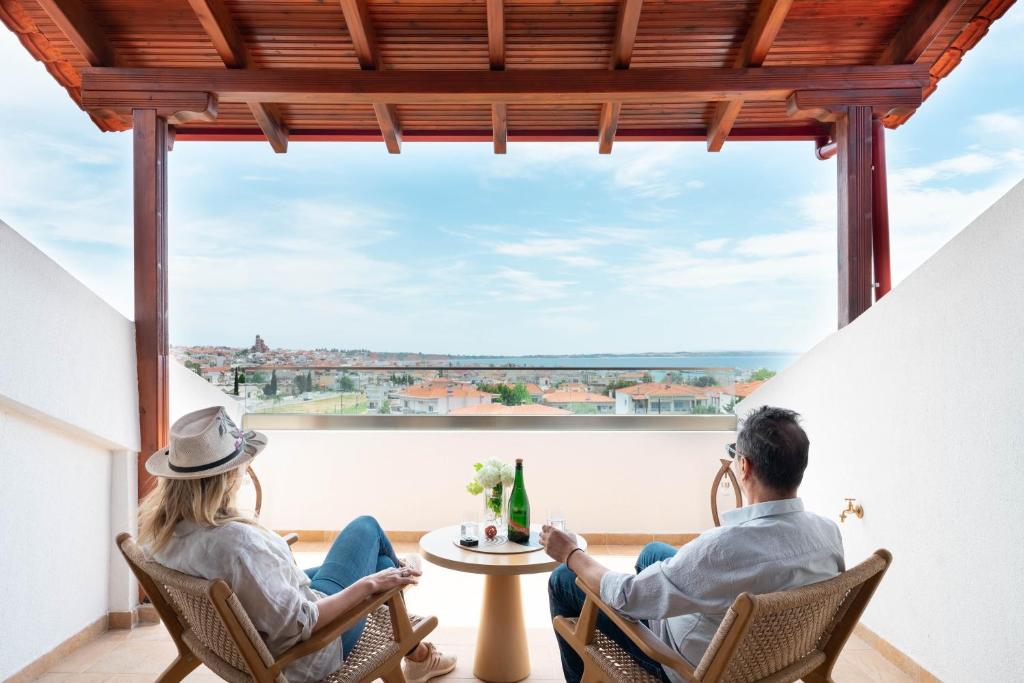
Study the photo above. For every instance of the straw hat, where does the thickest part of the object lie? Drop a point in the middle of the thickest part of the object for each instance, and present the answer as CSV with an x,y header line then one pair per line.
x,y
204,443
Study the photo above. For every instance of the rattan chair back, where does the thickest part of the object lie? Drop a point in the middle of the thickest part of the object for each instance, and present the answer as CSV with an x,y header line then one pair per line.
x,y
201,616
787,635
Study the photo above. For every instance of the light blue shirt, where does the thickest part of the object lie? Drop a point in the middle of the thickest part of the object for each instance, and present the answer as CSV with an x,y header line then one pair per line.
x,y
758,549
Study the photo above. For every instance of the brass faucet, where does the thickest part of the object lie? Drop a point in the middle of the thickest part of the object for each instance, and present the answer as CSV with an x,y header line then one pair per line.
x,y
851,509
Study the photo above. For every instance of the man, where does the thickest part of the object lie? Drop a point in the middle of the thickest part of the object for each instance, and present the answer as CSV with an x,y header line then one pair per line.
x,y
771,544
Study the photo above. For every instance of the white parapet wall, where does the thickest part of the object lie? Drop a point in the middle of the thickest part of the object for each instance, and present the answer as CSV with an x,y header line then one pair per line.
x,y
915,410
69,433
621,482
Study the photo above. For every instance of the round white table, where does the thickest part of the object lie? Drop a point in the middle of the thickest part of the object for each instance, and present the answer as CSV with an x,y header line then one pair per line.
x,y
502,654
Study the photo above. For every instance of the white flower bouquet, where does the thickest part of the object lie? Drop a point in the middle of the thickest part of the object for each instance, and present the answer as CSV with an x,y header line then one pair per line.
x,y
493,476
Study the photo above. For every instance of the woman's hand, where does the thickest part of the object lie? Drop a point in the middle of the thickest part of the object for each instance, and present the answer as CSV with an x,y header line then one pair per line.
x,y
384,581
557,544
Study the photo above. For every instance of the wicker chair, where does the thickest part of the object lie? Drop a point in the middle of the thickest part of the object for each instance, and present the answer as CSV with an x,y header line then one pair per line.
x,y
772,638
209,626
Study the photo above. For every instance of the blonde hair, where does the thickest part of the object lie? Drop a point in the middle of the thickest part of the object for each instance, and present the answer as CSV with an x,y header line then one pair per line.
x,y
208,502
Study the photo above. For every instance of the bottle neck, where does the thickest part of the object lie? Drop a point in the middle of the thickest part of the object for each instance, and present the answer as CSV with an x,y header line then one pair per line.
x,y
519,476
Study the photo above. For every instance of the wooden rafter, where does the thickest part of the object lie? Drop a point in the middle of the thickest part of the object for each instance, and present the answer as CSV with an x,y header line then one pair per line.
x,y
924,25
227,41
762,33
496,53
622,53
75,22
364,41
535,86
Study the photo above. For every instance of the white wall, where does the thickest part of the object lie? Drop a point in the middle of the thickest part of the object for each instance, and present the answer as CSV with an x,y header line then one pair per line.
x,y
188,391
68,435
915,410
638,482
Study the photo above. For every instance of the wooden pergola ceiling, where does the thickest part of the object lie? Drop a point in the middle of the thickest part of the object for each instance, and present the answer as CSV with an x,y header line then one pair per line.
x,y
500,70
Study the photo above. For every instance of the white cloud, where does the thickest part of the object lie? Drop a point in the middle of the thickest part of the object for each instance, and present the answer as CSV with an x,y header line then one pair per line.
x,y
712,246
521,285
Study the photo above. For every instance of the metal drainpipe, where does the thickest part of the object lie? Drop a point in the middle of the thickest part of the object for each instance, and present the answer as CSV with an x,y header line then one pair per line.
x,y
880,211
825,149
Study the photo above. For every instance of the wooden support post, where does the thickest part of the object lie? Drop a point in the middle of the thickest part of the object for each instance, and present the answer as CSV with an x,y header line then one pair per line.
x,y
853,137
880,211
150,186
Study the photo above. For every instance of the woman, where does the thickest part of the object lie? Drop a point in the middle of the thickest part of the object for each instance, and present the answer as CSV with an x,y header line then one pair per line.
x,y
188,523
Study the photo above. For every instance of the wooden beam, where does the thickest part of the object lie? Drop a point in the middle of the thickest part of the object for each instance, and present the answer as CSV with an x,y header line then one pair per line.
x,y
853,136
924,25
829,105
149,133
268,118
535,86
496,34
622,53
499,127
766,26
215,18
75,22
360,30
496,53
364,42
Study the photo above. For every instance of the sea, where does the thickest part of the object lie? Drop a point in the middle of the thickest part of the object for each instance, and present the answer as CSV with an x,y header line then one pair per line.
x,y
736,360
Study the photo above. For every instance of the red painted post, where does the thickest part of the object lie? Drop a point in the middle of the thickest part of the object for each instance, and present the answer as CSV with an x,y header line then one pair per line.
x,y
880,211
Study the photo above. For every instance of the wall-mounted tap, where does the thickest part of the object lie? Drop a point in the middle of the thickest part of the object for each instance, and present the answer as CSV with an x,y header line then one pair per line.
x,y
852,508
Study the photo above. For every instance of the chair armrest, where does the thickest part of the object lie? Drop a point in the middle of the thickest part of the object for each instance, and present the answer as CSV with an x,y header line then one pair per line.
x,y
642,637
327,634
291,538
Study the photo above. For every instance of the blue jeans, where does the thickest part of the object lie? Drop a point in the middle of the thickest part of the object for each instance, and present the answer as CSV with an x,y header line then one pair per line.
x,y
360,549
566,600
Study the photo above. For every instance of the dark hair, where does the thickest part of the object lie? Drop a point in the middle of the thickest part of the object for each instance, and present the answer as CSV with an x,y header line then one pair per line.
x,y
776,446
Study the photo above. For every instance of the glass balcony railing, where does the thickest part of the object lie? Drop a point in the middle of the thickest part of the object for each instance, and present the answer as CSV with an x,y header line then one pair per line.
x,y
484,390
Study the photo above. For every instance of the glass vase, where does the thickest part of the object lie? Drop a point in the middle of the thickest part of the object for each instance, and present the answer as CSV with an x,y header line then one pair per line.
x,y
494,524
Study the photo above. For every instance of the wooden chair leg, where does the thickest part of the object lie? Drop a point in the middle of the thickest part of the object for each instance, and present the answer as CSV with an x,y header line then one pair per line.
x,y
396,675
590,673
822,674
182,666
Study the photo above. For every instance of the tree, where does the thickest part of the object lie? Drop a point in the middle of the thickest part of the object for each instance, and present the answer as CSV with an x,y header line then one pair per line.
x,y
385,407
702,381
258,378
761,374
309,380
346,383
619,384
647,378
194,367
235,391
518,395
241,377
271,387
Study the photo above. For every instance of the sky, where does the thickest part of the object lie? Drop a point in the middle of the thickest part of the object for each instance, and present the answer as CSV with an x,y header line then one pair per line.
x,y
550,249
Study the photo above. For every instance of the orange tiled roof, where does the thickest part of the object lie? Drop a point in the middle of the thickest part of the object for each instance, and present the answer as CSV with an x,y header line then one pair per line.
x,y
575,397
442,389
499,409
662,389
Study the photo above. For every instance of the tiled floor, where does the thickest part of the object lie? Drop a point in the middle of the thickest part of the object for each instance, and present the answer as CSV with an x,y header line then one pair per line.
x,y
138,656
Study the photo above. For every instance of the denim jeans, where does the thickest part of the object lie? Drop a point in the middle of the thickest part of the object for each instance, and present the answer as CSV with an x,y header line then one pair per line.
x,y
566,600
360,549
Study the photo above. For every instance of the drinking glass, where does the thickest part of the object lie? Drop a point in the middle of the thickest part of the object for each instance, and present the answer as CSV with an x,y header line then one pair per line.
x,y
469,528
556,519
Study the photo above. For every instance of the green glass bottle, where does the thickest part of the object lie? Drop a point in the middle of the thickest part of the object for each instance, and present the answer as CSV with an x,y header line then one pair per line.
x,y
519,509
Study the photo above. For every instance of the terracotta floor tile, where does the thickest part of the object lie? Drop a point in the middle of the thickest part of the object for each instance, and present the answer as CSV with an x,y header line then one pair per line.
x,y
136,657
87,655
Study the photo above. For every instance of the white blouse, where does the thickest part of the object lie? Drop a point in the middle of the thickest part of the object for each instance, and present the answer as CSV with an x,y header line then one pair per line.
x,y
261,570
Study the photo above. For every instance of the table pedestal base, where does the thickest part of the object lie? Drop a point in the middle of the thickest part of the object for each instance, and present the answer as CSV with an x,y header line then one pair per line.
x,y
502,655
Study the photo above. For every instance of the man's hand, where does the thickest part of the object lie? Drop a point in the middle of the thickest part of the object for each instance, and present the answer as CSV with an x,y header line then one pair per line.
x,y
557,544
384,581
